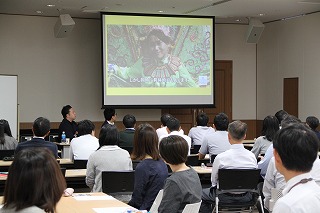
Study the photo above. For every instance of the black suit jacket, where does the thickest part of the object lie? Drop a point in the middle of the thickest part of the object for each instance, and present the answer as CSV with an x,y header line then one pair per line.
x,y
38,143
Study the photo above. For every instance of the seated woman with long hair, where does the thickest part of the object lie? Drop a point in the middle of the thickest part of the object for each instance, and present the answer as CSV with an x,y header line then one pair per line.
x,y
35,183
7,142
151,172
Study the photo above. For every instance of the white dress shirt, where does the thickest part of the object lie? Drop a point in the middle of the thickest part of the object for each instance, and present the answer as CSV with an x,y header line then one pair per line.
x,y
83,146
187,138
197,133
237,157
163,131
215,143
300,198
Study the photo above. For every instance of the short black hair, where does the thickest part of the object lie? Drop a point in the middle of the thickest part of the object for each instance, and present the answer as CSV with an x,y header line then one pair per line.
x,y
202,119
65,110
174,149
313,122
108,113
281,114
85,127
221,122
289,120
129,121
164,118
270,126
237,130
173,124
109,135
41,126
297,146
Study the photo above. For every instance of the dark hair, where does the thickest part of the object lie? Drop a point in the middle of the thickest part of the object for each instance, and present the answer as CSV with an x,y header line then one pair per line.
x,y
297,146
202,119
289,120
160,35
129,121
237,130
41,126
164,118
270,126
65,110
108,113
221,122
145,142
4,129
313,122
173,124
109,135
34,179
85,127
280,115
174,149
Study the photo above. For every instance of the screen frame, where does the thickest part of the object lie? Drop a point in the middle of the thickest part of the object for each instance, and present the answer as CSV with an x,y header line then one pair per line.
x,y
161,105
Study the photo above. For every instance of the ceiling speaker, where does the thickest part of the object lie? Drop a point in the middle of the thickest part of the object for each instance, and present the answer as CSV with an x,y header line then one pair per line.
x,y
64,26
254,31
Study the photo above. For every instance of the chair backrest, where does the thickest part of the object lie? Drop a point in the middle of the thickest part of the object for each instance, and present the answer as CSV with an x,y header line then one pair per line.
x,y
156,202
63,171
196,149
192,208
192,160
212,157
238,179
6,153
135,164
117,181
80,164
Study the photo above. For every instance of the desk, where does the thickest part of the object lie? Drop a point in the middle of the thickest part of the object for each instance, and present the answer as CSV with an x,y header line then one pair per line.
x,y
74,173
201,171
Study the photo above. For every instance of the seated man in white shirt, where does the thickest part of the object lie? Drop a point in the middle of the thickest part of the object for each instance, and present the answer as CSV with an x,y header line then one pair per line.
x,y
216,142
86,143
198,132
163,129
295,150
173,128
237,157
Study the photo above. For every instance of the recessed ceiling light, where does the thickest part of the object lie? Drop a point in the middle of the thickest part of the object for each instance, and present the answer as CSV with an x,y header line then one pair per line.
x,y
237,20
160,11
261,14
39,12
51,5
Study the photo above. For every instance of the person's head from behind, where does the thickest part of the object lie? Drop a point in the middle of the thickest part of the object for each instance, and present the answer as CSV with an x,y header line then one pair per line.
x,y
221,122
237,131
280,115
85,127
108,135
129,121
68,113
164,118
145,143
312,122
158,44
174,149
41,127
270,126
289,120
202,119
295,148
173,124
34,179
4,129
110,114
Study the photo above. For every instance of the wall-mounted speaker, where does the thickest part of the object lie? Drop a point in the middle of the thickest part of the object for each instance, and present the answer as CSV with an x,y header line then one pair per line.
x,y
255,30
64,26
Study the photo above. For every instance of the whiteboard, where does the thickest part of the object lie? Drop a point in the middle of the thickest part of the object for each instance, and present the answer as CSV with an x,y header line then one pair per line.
x,y
9,101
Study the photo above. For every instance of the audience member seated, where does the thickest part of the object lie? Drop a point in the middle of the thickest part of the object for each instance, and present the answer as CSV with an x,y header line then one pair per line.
x,y
40,129
237,157
7,142
313,123
217,142
86,143
270,126
264,163
280,115
295,151
151,172
163,129
183,186
109,157
110,116
68,125
173,128
197,133
126,136
35,183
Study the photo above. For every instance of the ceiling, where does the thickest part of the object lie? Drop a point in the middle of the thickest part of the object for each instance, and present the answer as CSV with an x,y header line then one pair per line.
x,y
226,11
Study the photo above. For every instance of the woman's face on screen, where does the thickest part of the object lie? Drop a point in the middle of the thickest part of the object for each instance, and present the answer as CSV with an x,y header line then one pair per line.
x,y
158,48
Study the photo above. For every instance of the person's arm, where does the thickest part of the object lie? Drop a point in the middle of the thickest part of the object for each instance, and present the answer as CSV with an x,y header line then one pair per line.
x,y
71,151
90,175
263,164
171,199
204,148
256,148
140,180
269,183
214,173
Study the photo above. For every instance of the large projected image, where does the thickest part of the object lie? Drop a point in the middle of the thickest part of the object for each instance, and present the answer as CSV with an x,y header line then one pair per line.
x,y
170,58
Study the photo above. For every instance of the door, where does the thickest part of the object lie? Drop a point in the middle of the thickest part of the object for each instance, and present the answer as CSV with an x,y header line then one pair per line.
x,y
291,95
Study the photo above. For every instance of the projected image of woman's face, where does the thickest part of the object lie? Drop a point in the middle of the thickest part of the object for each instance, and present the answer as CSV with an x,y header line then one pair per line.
x,y
158,48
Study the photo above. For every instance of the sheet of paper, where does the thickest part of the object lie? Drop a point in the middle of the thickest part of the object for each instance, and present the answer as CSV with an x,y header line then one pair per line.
x,y
84,197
